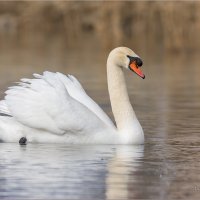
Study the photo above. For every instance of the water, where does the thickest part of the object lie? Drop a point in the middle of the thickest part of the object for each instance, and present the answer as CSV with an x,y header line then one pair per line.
x,y
167,105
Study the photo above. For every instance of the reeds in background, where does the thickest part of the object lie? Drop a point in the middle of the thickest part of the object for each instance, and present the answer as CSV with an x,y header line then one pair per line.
x,y
158,26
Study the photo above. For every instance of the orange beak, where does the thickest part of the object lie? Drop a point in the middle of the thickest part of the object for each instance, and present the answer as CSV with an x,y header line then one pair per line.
x,y
136,69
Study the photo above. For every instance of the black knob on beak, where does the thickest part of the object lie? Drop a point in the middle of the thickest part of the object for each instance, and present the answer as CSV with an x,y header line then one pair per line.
x,y
138,62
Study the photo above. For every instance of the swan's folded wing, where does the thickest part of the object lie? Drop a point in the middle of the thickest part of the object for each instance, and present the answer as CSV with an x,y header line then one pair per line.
x,y
77,92
4,108
44,103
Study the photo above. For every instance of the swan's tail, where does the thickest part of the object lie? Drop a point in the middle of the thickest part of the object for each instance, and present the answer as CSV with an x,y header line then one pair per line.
x,y
4,111
8,128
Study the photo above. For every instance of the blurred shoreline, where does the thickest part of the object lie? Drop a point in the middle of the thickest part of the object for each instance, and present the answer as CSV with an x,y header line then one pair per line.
x,y
150,27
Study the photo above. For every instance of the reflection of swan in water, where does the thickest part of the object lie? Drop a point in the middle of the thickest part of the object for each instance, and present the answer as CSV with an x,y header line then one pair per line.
x,y
75,172
54,108
120,168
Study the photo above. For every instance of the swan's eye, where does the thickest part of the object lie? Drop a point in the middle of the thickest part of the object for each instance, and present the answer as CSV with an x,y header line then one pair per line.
x,y
138,60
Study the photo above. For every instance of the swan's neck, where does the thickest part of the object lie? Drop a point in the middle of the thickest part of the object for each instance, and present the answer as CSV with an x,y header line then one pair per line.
x,y
122,110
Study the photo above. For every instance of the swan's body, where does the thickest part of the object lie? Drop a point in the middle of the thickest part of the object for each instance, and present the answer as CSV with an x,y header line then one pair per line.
x,y
54,108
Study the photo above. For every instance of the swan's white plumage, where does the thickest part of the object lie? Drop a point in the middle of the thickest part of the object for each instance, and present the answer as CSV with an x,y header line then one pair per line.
x,y
49,102
55,108
4,108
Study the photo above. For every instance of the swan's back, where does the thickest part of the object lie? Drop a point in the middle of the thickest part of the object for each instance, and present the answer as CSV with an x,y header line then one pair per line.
x,y
55,103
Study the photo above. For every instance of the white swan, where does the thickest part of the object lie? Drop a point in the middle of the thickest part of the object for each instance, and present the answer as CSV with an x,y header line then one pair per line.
x,y
54,108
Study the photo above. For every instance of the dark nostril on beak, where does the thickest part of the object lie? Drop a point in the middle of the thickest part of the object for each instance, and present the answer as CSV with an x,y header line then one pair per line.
x,y
139,62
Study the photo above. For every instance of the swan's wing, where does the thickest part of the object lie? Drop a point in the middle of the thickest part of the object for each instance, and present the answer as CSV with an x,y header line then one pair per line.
x,y
76,91
44,103
4,109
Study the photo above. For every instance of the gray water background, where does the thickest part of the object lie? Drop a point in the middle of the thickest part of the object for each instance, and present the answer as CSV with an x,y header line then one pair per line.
x,y
167,105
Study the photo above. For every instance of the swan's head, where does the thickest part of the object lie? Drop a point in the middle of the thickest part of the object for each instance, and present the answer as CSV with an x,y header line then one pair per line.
x,y
126,58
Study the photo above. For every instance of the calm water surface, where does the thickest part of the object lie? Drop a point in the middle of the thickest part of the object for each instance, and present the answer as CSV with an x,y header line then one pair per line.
x,y
167,104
